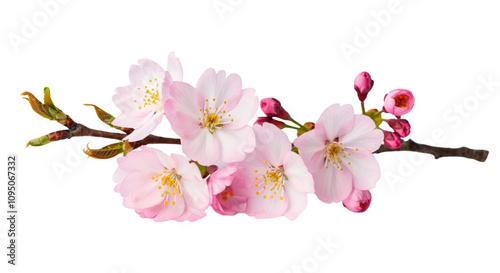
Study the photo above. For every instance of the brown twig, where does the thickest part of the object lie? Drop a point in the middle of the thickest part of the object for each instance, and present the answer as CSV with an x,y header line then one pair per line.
x,y
437,152
82,130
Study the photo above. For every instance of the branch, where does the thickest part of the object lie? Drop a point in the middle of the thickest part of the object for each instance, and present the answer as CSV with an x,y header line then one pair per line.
x,y
82,130
437,152
50,111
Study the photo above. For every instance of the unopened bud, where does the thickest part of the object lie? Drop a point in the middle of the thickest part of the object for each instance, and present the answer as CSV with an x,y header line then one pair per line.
x,y
400,126
272,108
358,200
277,123
392,140
363,83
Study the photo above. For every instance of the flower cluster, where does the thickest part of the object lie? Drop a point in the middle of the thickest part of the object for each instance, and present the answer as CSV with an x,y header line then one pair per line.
x,y
237,168
397,102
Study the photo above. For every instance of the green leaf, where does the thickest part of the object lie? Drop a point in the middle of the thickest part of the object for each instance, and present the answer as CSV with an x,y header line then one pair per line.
x,y
105,152
39,108
107,118
47,100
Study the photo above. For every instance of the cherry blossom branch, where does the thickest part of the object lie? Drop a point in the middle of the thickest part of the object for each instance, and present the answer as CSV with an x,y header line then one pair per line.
x,y
437,152
82,130
50,111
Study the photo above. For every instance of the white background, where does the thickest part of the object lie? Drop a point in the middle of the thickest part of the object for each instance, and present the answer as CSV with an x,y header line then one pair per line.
x,y
426,215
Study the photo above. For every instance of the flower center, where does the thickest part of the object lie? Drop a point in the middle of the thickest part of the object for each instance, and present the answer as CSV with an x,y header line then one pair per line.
x,y
149,96
401,100
169,186
227,192
335,153
271,183
213,116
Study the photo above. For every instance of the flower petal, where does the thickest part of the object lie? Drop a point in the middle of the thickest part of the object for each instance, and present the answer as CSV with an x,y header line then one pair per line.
x,y
311,146
146,129
245,110
150,212
364,168
332,185
297,202
195,193
337,120
133,181
147,195
140,160
165,160
182,111
272,143
216,86
262,208
231,206
203,147
174,67
297,173
150,69
363,134
169,211
234,144
221,178
134,121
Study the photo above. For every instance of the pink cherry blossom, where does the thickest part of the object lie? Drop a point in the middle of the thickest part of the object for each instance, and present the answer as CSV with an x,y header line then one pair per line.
x,y
161,187
141,102
338,153
392,140
358,200
363,83
272,108
400,126
398,102
226,196
276,179
212,118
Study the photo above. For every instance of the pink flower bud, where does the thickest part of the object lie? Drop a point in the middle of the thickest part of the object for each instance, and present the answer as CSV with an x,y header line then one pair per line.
x,y
272,108
400,126
398,102
277,123
363,83
391,140
358,200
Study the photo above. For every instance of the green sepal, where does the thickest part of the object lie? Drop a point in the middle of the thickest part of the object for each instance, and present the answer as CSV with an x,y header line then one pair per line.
x,y
375,115
203,169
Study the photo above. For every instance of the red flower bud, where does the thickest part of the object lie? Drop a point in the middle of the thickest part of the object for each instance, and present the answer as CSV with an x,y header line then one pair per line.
x,y
358,200
363,83
272,108
400,126
277,123
391,140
